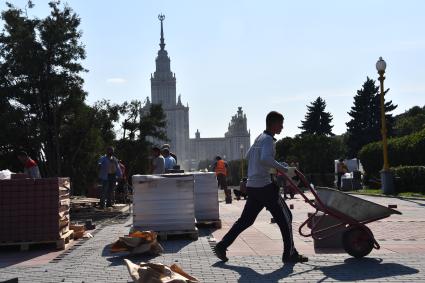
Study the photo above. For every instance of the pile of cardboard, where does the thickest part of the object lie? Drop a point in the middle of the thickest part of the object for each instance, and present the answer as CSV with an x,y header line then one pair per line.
x,y
34,210
149,272
138,242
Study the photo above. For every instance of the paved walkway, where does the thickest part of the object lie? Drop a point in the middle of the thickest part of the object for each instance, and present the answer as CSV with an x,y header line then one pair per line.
x,y
402,234
401,258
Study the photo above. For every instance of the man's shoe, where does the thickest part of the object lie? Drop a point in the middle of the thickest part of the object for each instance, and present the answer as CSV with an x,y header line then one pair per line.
x,y
295,258
220,253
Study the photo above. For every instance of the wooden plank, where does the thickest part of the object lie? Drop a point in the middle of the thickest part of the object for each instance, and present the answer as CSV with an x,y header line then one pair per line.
x,y
193,234
214,223
65,239
61,243
84,200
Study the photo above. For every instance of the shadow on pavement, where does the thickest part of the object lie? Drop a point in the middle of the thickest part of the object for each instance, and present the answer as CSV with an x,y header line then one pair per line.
x,y
174,245
170,247
420,203
351,270
249,275
363,269
119,259
11,255
116,259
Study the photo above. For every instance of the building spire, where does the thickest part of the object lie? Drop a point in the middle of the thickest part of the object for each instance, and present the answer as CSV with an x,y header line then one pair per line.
x,y
161,17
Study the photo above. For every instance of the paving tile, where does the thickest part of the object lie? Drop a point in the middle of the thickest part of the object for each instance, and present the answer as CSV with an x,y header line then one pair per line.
x,y
401,258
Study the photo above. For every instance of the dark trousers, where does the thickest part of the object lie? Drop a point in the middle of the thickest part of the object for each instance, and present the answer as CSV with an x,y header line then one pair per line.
x,y
338,185
108,190
222,182
258,198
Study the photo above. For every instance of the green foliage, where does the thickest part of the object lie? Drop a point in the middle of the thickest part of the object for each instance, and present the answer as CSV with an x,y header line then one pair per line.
x,y
134,148
40,75
84,138
284,148
315,154
409,179
365,125
317,121
42,102
341,145
234,171
407,150
153,124
411,121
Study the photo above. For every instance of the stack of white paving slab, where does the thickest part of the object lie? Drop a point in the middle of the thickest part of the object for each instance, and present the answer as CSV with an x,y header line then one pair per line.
x,y
206,198
165,204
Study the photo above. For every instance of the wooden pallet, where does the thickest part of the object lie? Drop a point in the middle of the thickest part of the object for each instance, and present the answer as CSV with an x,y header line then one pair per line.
x,y
210,223
192,234
84,201
61,243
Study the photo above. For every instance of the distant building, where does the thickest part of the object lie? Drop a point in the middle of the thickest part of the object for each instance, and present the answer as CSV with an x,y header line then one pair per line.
x,y
190,151
232,146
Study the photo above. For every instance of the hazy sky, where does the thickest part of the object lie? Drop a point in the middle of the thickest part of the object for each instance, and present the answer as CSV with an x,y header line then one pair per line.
x,y
261,55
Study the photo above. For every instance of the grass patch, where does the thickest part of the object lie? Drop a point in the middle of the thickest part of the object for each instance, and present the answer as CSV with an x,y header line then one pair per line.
x,y
368,191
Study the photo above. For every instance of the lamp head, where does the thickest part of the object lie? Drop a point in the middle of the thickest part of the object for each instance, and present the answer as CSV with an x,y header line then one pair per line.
x,y
381,66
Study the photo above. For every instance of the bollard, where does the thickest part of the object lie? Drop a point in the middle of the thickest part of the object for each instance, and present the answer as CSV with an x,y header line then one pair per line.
x,y
291,206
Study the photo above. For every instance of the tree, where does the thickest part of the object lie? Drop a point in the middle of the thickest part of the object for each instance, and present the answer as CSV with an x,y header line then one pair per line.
x,y
317,121
314,153
138,130
84,138
42,102
409,122
284,149
365,124
40,76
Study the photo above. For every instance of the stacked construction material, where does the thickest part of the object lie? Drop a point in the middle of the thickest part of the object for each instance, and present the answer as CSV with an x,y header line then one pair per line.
x,y
164,203
34,210
206,196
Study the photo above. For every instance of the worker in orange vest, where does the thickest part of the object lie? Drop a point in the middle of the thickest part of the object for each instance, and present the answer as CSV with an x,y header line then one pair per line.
x,y
220,168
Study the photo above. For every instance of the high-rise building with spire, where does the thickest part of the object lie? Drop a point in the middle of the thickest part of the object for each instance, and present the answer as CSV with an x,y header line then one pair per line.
x,y
163,91
191,151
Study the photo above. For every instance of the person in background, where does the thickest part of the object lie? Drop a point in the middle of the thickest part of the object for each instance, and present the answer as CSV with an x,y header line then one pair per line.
x,y
263,192
30,166
341,169
121,188
166,145
109,171
241,192
281,182
220,168
170,162
158,162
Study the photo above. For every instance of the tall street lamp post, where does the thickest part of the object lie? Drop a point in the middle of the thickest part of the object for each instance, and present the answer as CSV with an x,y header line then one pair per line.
x,y
386,174
241,147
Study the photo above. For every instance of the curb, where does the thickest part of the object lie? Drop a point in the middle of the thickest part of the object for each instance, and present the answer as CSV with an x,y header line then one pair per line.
x,y
387,196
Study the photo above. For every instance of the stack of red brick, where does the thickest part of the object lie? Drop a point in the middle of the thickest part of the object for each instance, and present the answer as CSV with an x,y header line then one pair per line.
x,y
34,209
